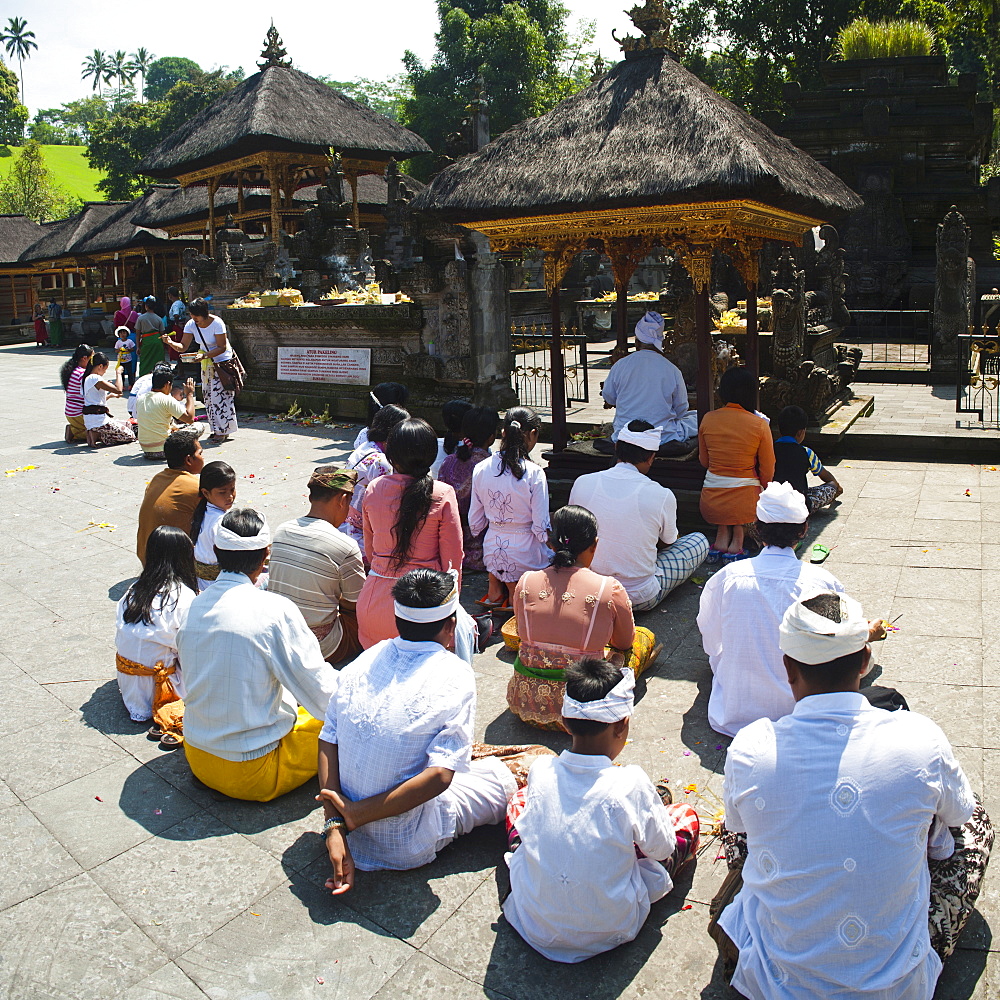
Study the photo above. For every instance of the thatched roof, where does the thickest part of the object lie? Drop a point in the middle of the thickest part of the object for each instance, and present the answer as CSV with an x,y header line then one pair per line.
x,y
647,133
101,227
279,109
17,233
60,239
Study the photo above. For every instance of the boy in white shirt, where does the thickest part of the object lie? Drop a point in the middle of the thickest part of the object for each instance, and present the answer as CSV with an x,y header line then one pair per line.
x,y
577,886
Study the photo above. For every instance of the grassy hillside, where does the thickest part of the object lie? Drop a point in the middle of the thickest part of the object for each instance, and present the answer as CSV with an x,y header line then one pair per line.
x,y
70,170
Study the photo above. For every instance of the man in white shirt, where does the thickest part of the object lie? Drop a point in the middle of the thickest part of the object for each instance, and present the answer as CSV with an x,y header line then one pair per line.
x,y
396,767
637,539
741,609
319,567
854,819
157,410
249,661
579,884
646,384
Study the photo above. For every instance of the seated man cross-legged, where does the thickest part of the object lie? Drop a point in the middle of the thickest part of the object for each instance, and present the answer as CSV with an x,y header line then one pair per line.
x,y
741,609
249,662
637,522
399,774
592,844
320,568
843,823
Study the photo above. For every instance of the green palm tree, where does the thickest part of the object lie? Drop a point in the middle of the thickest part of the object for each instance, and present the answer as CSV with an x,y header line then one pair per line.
x,y
142,59
118,67
95,67
19,42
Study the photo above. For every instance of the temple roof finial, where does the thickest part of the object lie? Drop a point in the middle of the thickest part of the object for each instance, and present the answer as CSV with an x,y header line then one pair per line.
x,y
653,19
274,53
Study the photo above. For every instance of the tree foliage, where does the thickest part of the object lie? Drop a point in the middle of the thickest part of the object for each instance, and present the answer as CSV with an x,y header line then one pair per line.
x,y
163,73
72,123
28,189
119,142
521,53
746,49
387,97
13,114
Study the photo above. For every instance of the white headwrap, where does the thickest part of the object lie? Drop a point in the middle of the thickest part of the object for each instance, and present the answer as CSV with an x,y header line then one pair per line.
x,y
617,704
811,638
649,440
649,330
229,541
427,615
781,503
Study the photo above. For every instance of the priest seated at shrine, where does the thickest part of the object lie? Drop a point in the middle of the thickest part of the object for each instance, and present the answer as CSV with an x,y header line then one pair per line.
x,y
646,385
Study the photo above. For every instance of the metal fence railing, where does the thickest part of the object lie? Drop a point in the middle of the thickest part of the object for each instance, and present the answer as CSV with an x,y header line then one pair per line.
x,y
979,374
532,376
891,337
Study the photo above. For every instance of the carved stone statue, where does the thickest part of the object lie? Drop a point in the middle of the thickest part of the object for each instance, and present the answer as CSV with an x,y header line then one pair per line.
x,y
788,304
954,284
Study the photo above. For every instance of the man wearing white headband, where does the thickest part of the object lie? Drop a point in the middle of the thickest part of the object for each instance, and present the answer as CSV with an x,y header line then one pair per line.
x,y
646,385
741,609
399,775
637,540
252,661
837,832
577,885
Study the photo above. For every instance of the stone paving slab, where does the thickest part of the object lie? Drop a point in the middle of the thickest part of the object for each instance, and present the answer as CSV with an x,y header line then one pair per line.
x,y
131,882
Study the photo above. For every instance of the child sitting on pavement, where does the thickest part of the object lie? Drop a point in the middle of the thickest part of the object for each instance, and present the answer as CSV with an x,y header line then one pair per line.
x,y
793,461
584,833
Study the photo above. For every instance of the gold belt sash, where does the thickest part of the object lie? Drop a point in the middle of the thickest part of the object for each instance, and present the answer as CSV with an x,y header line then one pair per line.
x,y
207,571
168,707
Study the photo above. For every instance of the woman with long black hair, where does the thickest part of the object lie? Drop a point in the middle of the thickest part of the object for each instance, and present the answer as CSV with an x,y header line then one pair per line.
x,y
149,616
409,521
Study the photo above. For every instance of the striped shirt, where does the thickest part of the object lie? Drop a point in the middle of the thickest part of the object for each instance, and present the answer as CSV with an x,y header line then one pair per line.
x,y
74,393
316,567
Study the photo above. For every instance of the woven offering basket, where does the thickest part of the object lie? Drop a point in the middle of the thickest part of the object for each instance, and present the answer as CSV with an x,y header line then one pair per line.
x,y
510,637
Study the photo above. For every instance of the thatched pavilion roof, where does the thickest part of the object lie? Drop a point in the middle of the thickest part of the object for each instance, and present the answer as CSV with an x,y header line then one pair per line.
x,y
647,133
279,109
100,228
17,233
60,238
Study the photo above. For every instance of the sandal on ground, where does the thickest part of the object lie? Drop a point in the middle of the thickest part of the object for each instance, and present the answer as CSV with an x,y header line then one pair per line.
x,y
171,741
714,555
155,734
735,556
493,605
819,552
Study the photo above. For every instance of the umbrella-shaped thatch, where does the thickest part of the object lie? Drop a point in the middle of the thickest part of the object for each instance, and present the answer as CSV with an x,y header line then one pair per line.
x,y
280,109
275,130
647,156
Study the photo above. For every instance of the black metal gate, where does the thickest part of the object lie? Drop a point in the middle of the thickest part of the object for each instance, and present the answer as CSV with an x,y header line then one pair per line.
x,y
979,374
891,339
532,377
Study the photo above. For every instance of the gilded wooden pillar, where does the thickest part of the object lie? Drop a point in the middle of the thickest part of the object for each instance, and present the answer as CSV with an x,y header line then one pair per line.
x,y
213,184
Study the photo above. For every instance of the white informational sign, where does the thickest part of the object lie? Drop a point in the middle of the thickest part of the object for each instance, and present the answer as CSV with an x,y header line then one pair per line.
x,y
340,365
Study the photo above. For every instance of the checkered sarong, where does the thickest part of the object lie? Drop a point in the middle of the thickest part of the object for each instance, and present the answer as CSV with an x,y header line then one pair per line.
x,y
674,565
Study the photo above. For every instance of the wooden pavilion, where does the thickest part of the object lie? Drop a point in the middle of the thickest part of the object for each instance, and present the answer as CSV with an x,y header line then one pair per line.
x,y
275,131
17,295
646,157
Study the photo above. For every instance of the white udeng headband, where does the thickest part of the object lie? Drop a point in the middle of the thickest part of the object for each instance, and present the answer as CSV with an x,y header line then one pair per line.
x,y
229,541
426,615
811,638
649,440
617,704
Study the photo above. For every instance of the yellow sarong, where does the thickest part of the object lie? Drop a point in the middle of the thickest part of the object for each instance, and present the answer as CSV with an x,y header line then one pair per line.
x,y
168,708
290,764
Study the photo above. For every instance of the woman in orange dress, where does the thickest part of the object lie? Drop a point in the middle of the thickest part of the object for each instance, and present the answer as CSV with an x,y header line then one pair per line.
x,y
566,612
409,521
734,444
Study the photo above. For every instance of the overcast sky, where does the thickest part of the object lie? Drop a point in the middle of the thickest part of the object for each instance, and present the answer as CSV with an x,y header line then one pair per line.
x,y
340,39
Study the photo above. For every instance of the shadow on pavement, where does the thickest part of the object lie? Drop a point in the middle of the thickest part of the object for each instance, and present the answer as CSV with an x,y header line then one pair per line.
x,y
117,591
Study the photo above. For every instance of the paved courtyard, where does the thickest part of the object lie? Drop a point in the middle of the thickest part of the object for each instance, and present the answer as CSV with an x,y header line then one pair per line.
x,y
123,880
